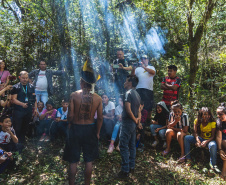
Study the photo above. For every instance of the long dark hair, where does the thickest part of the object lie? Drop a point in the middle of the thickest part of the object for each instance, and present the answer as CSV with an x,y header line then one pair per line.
x,y
222,107
162,116
200,119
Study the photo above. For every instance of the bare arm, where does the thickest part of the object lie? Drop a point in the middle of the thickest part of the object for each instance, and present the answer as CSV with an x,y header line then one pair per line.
x,y
17,102
99,118
42,116
7,82
14,138
129,68
150,71
174,122
129,111
133,71
219,139
163,87
171,87
71,109
204,143
8,87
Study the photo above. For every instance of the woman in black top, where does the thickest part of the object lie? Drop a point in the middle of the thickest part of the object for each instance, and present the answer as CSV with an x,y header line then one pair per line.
x,y
221,136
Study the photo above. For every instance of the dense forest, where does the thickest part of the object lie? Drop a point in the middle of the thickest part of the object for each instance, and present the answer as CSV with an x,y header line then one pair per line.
x,y
189,34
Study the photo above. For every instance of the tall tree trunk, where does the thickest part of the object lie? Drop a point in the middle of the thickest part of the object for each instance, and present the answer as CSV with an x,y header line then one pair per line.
x,y
194,40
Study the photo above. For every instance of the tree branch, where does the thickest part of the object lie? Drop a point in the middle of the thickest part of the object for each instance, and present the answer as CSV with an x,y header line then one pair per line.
x,y
208,12
8,7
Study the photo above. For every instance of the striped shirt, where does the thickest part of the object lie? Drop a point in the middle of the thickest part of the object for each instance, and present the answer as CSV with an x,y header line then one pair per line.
x,y
183,121
170,95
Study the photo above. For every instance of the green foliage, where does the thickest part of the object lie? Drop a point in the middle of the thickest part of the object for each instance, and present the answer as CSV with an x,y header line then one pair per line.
x,y
52,30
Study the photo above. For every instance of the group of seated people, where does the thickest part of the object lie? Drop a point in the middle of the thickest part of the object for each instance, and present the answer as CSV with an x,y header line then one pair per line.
x,y
167,124
47,123
173,124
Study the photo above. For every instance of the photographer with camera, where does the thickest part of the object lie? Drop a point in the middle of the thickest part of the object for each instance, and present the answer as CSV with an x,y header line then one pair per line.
x,y
145,74
23,98
120,71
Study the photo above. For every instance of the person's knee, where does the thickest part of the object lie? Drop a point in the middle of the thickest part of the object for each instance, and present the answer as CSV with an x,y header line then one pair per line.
x,y
212,146
180,135
169,132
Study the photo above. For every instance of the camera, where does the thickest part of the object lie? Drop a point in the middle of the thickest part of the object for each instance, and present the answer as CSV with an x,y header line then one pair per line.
x,y
139,64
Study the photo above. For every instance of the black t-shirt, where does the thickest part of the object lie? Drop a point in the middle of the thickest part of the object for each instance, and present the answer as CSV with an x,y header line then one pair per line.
x,y
120,72
25,95
221,125
134,99
161,118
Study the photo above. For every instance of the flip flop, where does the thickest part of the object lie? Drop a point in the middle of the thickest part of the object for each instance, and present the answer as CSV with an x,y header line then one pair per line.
x,y
165,153
181,160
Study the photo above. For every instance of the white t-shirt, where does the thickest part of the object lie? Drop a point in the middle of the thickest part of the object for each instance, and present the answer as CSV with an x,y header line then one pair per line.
x,y
110,106
61,114
118,110
41,84
5,136
145,78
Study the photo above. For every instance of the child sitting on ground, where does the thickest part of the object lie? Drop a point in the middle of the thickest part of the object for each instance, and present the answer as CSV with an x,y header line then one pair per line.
x,y
177,128
8,139
59,127
46,119
118,114
108,117
40,109
159,123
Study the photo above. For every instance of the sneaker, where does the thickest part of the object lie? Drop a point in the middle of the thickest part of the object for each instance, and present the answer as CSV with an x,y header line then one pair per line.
x,y
110,149
117,148
47,139
123,175
155,143
216,169
43,137
164,145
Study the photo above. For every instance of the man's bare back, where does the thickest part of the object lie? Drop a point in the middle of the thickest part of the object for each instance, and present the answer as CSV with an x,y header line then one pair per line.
x,y
83,106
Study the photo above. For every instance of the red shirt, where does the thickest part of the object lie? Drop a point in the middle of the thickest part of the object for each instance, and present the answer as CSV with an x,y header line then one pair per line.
x,y
170,95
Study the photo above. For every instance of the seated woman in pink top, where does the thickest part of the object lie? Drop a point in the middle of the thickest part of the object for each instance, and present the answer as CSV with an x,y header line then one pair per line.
x,y
46,119
4,76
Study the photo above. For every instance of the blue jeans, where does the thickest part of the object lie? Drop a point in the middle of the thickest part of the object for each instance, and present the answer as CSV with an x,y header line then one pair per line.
x,y
107,129
41,95
128,145
115,131
162,133
212,145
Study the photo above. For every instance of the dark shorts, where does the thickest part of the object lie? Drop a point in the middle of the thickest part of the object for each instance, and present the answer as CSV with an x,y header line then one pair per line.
x,y
81,138
147,97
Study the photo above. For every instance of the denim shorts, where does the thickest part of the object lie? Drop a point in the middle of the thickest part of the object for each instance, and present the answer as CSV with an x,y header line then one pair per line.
x,y
81,138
